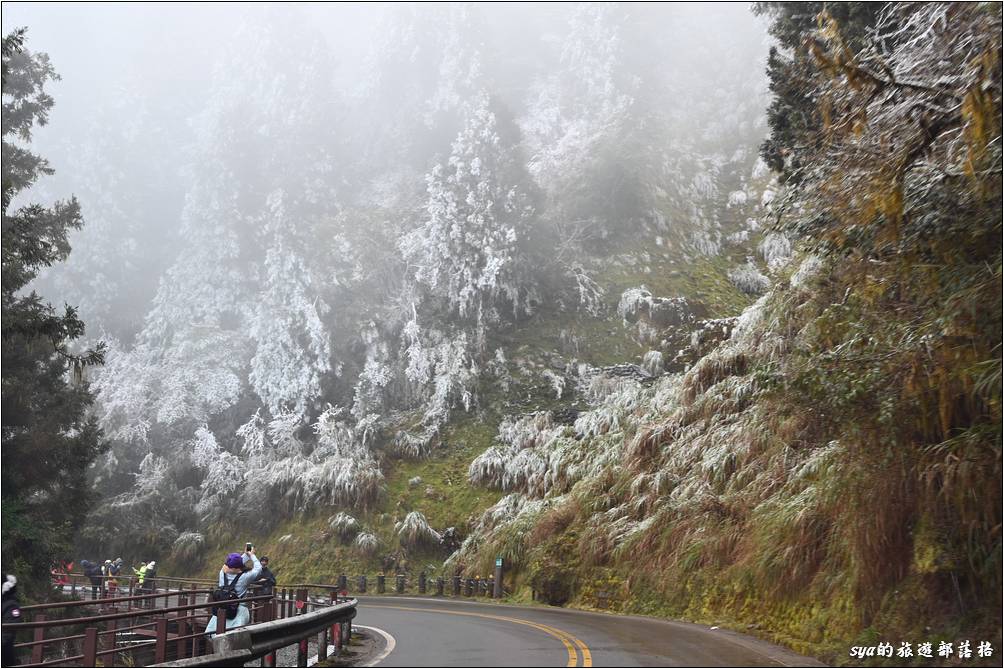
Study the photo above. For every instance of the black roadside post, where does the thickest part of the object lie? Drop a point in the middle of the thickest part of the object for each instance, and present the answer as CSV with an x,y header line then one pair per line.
x,y
381,583
400,584
456,585
362,583
439,586
497,586
343,582
421,583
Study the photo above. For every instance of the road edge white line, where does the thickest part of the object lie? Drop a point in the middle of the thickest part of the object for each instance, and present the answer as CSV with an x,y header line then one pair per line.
x,y
388,639
391,643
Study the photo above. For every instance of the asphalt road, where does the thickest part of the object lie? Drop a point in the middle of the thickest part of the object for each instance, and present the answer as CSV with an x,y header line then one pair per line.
x,y
451,633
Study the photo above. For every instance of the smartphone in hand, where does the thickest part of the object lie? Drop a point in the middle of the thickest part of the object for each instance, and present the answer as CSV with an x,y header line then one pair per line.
x,y
248,547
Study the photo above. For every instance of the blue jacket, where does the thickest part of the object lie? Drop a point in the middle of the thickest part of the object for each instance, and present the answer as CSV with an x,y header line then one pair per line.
x,y
245,579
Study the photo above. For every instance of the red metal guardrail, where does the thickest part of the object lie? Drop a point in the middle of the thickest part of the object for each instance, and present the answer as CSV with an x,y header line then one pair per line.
x,y
138,629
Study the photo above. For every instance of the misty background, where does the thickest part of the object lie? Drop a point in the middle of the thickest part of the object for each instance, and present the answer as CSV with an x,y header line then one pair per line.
x,y
314,234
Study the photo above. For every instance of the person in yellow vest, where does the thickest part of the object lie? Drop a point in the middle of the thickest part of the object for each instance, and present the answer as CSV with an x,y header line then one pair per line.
x,y
140,578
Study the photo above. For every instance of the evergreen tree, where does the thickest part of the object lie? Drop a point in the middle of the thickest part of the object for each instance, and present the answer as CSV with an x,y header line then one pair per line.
x,y
49,438
794,117
477,216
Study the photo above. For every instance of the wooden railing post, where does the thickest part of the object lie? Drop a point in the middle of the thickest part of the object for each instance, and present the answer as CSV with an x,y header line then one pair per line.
x,y
110,640
90,646
221,615
322,645
161,648
182,632
39,637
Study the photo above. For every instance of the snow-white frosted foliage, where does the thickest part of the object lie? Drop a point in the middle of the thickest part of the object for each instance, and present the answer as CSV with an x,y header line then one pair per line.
x,y
775,249
460,74
531,455
340,470
633,302
223,472
367,543
414,531
590,293
557,382
653,363
467,250
581,105
749,279
344,525
375,376
252,435
187,546
442,370
282,433
236,314
292,342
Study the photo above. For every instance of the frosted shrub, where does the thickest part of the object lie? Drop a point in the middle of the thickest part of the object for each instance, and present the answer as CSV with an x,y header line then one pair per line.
x,y
807,271
653,363
252,433
557,383
187,547
414,531
502,530
376,375
633,302
367,543
707,243
408,445
748,279
499,368
590,293
282,431
344,525
531,455
527,431
775,249
340,470
488,469
737,198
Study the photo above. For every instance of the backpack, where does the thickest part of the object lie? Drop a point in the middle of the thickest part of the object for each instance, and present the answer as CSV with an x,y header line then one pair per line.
x,y
226,593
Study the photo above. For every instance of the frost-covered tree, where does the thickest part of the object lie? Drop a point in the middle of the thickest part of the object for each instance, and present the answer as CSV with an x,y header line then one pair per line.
x,y
467,251
292,342
239,321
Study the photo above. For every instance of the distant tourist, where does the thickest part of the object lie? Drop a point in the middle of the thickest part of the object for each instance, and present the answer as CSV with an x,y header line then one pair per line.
x,y
11,614
151,576
110,571
92,570
233,584
266,582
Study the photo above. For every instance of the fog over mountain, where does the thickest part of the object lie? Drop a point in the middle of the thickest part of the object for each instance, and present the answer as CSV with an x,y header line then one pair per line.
x,y
420,285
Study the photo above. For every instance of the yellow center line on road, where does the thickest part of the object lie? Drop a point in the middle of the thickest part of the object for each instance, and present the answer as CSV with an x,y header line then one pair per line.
x,y
587,658
567,639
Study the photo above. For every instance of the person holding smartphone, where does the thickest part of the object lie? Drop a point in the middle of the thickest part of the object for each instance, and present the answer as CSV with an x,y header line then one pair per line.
x,y
233,575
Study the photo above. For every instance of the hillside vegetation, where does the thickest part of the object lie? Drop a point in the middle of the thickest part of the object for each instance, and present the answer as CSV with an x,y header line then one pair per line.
x,y
619,310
